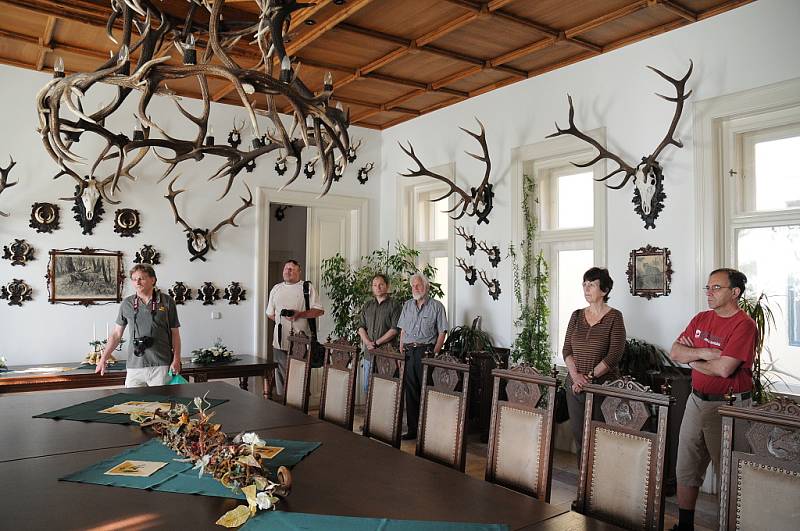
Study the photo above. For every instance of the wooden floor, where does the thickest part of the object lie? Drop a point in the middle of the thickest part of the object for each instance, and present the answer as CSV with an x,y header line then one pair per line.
x,y
565,477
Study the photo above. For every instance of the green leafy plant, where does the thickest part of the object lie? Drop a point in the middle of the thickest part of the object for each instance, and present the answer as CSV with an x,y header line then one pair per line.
x,y
759,310
349,288
641,358
462,340
532,344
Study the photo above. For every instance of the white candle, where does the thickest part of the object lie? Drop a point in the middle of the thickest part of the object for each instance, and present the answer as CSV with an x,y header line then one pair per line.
x,y
94,332
106,331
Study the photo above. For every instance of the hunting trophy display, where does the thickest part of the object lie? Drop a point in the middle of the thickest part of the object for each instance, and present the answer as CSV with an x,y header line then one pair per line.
x,y
648,180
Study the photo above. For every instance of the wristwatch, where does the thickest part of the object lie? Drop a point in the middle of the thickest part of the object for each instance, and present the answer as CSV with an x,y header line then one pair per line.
x,y
590,375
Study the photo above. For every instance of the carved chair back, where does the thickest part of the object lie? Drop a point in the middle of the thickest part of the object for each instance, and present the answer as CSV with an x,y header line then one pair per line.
x,y
622,466
443,411
760,480
298,372
339,383
520,455
385,397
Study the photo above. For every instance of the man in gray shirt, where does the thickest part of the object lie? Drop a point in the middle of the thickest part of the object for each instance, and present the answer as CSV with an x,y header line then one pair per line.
x,y
155,341
378,321
423,325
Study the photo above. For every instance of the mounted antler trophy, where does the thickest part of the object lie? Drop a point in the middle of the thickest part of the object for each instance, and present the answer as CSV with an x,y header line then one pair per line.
x,y
44,217
16,292
363,172
469,238
147,255
493,252
208,293
180,293
648,194
127,222
19,252
493,285
199,241
4,180
235,136
476,203
88,199
470,274
234,293
139,63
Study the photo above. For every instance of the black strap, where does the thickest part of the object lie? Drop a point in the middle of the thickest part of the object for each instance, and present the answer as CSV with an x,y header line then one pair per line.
x,y
312,323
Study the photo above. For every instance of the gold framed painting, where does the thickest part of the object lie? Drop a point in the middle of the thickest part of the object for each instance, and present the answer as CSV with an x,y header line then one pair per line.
x,y
85,276
650,272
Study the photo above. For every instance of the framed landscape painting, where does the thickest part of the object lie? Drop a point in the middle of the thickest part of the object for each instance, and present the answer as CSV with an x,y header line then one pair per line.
x,y
650,272
85,276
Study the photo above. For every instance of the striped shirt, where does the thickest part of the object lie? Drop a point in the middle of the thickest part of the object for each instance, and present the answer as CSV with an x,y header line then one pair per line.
x,y
589,345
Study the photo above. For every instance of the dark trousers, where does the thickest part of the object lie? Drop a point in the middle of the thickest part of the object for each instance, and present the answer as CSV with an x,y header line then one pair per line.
x,y
576,404
413,383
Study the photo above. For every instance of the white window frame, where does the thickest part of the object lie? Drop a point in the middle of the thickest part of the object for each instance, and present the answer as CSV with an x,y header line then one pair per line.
x,y
719,127
409,191
553,154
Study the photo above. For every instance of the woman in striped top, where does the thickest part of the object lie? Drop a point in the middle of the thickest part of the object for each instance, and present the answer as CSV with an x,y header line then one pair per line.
x,y
593,347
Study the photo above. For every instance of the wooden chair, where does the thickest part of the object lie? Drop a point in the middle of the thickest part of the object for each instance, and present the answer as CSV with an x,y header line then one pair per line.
x,y
339,383
298,372
622,466
443,411
520,453
384,417
760,484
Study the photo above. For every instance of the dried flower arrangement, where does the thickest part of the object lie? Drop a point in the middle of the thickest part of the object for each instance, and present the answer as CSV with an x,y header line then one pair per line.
x,y
2,362
219,352
235,463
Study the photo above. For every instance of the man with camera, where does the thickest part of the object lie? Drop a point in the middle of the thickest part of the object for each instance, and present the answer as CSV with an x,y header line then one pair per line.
x,y
287,306
155,340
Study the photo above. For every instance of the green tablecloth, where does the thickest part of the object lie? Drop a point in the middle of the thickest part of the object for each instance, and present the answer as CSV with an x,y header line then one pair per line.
x,y
284,521
119,365
88,411
179,476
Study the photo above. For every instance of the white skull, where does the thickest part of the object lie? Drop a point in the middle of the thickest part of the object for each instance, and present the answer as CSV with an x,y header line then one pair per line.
x,y
89,197
646,184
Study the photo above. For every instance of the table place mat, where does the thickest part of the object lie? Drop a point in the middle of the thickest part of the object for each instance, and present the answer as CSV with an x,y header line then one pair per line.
x,y
175,476
292,452
152,450
35,371
89,411
282,520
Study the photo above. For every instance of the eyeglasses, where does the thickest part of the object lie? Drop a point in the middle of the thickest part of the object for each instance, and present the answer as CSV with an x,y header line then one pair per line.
x,y
715,288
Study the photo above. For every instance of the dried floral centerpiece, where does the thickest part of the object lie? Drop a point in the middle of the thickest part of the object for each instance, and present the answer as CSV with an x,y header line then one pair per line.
x,y
98,346
3,366
218,353
235,463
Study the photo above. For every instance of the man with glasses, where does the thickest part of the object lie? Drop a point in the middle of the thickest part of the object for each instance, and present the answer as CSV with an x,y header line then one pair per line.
x,y
719,346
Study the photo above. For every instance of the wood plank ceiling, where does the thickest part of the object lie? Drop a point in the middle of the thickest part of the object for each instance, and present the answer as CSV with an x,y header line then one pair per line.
x,y
391,60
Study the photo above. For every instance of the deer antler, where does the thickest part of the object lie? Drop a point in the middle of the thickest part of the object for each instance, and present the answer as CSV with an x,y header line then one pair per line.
x,y
623,167
680,97
246,203
484,278
462,264
462,232
4,180
171,195
468,203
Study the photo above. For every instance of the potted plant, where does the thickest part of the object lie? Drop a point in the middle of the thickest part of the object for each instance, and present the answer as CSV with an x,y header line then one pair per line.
x,y
758,309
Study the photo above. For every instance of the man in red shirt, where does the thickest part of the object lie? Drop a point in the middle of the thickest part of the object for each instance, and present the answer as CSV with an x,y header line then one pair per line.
x,y
719,346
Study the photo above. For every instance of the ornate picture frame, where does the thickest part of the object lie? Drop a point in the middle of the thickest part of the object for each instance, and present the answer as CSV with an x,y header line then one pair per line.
x,y
85,276
650,272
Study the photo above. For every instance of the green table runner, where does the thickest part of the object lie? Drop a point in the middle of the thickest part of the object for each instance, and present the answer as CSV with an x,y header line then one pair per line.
x,y
285,521
119,365
179,476
88,411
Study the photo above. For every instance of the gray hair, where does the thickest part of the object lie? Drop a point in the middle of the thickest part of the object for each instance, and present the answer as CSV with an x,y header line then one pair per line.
x,y
423,278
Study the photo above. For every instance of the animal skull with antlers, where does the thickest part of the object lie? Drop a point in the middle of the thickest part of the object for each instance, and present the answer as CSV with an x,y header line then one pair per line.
x,y
648,194
476,203
199,241
4,180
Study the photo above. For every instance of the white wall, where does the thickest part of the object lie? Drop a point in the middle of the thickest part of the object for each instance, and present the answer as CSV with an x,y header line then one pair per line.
x,y
39,332
750,46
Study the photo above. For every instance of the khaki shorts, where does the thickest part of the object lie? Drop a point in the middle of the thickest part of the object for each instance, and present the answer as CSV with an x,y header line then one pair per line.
x,y
147,376
700,438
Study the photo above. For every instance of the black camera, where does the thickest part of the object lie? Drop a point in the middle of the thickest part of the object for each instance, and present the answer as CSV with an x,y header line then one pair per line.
x,y
287,313
140,344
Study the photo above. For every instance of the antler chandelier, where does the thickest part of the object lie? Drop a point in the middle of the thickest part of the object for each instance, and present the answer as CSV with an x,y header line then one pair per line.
x,y
151,32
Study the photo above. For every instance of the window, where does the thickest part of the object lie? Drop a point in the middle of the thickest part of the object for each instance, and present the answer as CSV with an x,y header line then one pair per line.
x,y
570,209
763,231
429,229
748,207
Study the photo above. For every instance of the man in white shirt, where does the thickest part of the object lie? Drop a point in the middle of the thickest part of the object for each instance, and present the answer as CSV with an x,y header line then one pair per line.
x,y
287,307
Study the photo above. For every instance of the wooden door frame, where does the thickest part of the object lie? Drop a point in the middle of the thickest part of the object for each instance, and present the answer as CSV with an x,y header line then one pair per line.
x,y
359,212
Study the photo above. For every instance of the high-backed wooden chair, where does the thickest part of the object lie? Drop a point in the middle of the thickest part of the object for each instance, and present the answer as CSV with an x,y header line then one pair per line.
x,y
760,484
298,372
443,411
339,383
520,453
384,415
622,466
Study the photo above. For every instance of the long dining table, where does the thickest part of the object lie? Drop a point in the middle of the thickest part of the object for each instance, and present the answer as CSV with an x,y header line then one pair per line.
x,y
348,475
